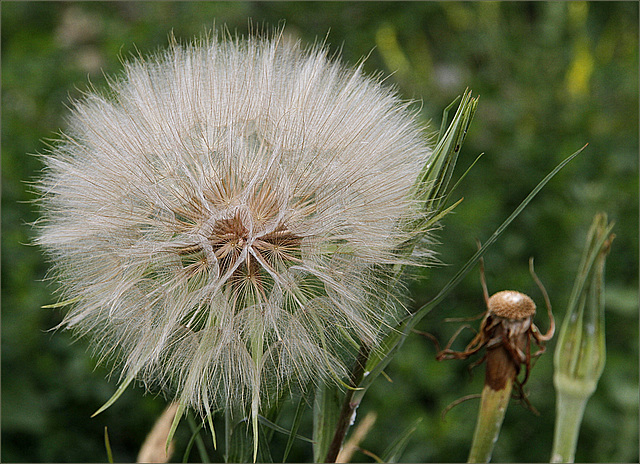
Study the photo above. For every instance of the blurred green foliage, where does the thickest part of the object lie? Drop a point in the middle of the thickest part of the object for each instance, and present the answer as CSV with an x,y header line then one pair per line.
x,y
551,77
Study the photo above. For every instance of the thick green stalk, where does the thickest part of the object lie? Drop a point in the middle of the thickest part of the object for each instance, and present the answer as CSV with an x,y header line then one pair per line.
x,y
493,405
569,411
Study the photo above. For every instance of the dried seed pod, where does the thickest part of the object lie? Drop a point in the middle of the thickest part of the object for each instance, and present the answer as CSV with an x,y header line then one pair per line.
x,y
506,332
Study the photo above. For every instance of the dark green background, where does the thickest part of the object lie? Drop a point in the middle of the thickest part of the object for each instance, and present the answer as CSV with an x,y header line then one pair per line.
x,y
551,77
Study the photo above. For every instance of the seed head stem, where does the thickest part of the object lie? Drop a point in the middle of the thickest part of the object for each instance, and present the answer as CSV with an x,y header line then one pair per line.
x,y
493,405
348,405
499,377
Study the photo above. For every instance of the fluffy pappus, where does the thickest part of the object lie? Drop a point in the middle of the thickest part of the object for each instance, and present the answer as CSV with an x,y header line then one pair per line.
x,y
221,218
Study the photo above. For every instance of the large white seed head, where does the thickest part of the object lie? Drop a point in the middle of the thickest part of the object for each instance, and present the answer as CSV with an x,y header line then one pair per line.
x,y
219,218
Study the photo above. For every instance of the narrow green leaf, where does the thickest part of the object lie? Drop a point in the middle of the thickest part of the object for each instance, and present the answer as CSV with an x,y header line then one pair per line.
x,y
264,451
187,450
443,213
123,386
273,426
462,177
240,440
270,416
228,431
192,440
294,428
241,444
397,447
427,307
391,340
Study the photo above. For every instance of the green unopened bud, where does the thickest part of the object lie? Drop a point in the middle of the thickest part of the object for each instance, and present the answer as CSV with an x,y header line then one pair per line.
x,y
580,354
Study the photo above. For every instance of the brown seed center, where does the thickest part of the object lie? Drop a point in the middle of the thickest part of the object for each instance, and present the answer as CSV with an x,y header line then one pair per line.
x,y
241,254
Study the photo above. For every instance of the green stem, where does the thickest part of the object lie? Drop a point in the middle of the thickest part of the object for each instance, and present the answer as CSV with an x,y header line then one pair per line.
x,y
569,411
228,427
195,431
348,405
492,408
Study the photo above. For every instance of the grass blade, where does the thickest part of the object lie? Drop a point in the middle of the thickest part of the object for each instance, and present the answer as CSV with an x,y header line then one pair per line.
x,y
174,426
107,445
326,413
273,426
427,307
395,449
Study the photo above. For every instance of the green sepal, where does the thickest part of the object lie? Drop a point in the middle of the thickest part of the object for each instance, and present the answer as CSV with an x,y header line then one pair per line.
x,y
213,430
123,386
60,304
433,181
174,426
